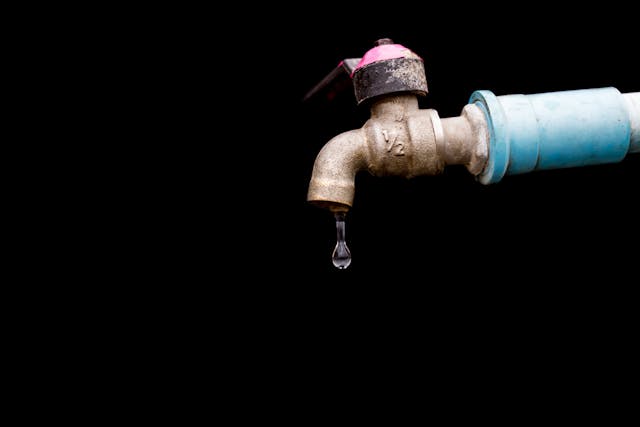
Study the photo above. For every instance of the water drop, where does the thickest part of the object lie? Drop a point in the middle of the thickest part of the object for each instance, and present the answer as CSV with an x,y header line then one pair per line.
x,y
341,254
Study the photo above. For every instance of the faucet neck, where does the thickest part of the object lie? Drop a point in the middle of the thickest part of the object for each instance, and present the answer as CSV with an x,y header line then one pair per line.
x,y
396,106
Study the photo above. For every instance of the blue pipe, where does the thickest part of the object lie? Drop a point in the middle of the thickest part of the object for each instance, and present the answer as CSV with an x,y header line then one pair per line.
x,y
553,130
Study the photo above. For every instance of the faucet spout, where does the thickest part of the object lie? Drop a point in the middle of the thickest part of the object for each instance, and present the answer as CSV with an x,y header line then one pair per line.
x,y
332,184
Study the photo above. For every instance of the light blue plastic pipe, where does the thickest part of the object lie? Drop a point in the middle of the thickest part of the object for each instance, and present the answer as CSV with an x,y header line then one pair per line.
x,y
556,130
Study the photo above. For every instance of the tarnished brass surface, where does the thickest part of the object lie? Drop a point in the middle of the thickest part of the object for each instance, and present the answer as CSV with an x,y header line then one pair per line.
x,y
399,139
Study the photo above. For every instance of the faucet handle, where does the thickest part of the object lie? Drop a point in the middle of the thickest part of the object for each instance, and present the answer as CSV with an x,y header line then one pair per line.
x,y
335,82
386,68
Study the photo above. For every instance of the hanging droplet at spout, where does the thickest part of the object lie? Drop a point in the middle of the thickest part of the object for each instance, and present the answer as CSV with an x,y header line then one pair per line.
x,y
341,254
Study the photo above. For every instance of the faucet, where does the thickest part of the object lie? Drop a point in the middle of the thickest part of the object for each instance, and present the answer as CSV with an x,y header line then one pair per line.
x,y
494,136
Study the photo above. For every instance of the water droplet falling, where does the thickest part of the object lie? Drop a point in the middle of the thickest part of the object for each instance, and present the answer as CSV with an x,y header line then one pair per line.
x,y
341,254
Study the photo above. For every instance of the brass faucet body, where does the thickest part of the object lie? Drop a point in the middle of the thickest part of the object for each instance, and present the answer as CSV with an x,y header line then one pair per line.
x,y
399,139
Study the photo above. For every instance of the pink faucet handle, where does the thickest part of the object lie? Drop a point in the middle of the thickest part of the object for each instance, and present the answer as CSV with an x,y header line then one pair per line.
x,y
384,50
387,68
